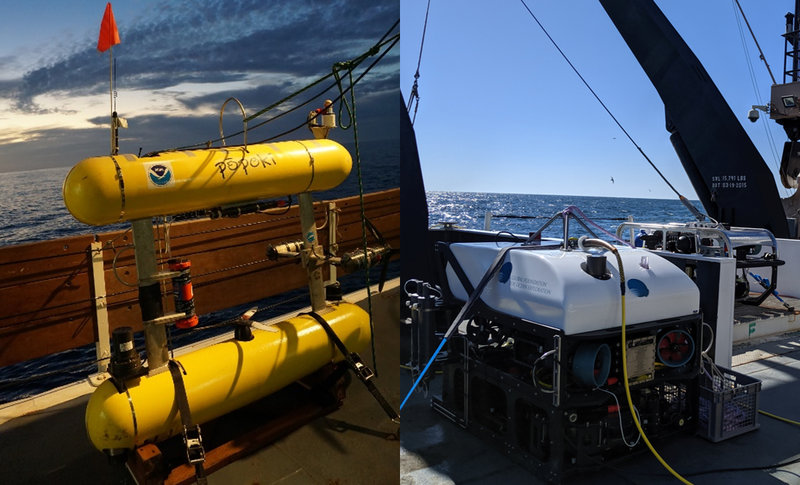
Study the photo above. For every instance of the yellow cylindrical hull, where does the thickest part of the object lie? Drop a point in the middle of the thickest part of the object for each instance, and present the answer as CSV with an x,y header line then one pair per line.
x,y
105,190
220,379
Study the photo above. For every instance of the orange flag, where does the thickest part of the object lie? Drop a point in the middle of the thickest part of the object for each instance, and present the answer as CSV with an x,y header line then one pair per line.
x,y
108,31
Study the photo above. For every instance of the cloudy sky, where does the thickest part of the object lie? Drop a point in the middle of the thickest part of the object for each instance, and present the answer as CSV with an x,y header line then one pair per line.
x,y
501,111
177,63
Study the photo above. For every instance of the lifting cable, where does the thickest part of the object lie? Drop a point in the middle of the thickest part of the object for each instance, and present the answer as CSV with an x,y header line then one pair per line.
x,y
413,98
683,199
760,52
739,15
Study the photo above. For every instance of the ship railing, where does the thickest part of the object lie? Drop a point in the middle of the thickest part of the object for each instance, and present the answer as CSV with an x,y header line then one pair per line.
x,y
67,293
724,241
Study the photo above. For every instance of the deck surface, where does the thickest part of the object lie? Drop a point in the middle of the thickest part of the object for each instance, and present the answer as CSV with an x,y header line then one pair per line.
x,y
356,444
435,451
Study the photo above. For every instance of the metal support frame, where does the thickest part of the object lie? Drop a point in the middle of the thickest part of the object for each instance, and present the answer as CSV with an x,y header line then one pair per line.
x,y
503,406
311,251
103,344
792,41
155,335
557,387
723,243
333,246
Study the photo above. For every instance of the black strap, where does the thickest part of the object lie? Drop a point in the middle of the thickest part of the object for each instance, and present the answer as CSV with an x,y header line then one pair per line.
x,y
457,269
195,454
358,366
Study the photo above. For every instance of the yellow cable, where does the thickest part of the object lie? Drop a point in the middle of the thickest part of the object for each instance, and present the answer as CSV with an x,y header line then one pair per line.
x,y
625,378
779,418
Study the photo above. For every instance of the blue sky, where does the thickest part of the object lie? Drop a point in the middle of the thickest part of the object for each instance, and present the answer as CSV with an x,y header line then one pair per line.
x,y
177,63
501,111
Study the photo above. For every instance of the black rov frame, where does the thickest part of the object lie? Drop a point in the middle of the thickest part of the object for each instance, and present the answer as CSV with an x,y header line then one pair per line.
x,y
513,382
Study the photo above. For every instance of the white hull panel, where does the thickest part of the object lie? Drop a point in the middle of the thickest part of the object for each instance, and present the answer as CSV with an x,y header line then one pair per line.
x,y
549,287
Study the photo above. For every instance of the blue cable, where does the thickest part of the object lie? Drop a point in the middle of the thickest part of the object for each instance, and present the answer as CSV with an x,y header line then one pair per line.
x,y
764,282
422,374
498,260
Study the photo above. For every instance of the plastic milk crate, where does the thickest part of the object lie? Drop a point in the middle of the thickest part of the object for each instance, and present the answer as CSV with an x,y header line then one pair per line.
x,y
728,404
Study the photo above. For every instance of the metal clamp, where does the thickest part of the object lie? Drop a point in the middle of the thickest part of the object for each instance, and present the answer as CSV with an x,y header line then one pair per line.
x,y
160,276
363,372
165,319
557,374
360,367
194,444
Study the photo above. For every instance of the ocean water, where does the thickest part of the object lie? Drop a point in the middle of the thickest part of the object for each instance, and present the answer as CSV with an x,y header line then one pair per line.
x,y
33,210
526,213
32,207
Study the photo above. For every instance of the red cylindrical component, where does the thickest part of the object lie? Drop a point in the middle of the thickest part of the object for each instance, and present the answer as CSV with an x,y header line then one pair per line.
x,y
183,293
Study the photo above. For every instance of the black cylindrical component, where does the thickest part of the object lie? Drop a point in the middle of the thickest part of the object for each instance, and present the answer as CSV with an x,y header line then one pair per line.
x,y
115,127
333,292
125,360
685,244
427,325
596,265
742,288
150,302
412,304
243,332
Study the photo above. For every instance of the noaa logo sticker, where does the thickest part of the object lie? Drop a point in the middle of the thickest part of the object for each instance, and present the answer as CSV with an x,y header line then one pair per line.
x,y
159,175
505,272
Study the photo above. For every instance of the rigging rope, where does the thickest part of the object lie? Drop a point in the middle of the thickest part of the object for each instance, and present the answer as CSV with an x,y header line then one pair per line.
x,y
414,96
394,39
385,39
681,197
760,52
739,15
351,111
